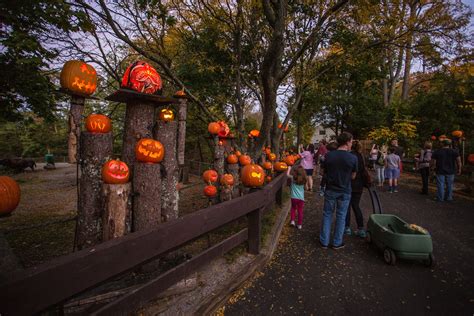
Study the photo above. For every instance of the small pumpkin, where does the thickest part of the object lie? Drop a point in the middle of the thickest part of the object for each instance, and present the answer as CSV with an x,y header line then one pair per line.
x,y
271,157
289,160
9,195
457,134
210,176
79,77
245,160
280,166
254,133
232,159
213,128
180,93
149,150
227,179
210,191
470,159
115,172
238,153
98,123
268,179
166,115
252,175
142,77
267,165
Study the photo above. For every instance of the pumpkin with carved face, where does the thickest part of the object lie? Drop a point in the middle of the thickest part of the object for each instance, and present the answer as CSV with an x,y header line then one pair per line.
x,y
271,157
289,160
78,77
98,123
245,160
280,166
227,179
142,77
115,172
210,191
252,176
166,115
232,159
149,150
267,165
210,176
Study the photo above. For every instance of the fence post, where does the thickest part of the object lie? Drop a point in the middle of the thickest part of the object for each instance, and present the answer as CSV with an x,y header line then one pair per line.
x,y
255,230
279,196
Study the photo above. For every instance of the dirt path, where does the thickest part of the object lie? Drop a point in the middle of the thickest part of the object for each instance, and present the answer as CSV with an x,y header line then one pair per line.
x,y
304,279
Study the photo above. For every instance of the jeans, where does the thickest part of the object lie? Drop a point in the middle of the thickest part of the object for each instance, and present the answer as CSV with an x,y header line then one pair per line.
x,y
354,204
425,176
380,174
440,180
340,202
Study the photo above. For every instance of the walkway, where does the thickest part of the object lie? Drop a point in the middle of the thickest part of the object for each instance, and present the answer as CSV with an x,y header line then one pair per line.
x,y
303,279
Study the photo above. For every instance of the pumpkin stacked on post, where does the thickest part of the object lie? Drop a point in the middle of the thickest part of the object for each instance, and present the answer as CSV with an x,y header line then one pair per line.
x,y
233,169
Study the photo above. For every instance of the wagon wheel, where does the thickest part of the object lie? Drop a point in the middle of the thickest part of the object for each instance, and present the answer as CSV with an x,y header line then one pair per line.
x,y
389,256
430,262
368,237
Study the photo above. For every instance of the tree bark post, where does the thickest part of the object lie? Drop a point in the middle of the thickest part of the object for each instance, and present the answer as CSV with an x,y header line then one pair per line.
x,y
96,149
116,200
166,134
182,113
146,195
75,117
234,170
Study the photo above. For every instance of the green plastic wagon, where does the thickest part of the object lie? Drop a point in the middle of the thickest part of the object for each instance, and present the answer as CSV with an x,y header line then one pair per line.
x,y
398,240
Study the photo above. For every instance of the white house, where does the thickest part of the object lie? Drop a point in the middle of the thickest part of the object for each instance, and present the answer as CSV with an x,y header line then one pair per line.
x,y
321,133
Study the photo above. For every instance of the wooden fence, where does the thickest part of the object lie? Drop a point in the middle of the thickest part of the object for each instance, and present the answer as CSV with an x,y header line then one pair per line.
x,y
51,284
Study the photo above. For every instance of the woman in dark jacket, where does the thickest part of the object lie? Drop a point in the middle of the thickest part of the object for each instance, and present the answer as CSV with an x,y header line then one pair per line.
x,y
357,189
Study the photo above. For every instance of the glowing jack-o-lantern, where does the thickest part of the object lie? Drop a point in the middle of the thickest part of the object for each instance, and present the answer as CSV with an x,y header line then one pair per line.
x,y
78,77
267,165
252,175
98,123
210,176
149,150
227,179
280,166
457,134
9,195
245,160
166,115
232,159
115,172
142,77
210,191
271,157
254,133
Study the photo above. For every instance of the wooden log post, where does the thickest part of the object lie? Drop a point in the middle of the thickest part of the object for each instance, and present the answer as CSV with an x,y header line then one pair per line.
x,y
96,149
218,165
234,170
255,231
75,118
166,134
116,207
147,195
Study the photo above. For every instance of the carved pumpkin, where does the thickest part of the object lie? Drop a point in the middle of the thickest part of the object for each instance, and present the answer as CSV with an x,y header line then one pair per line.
x,y
271,156
166,115
227,179
149,150
213,128
280,166
142,77
98,123
210,176
252,175
78,77
267,165
245,160
254,133
457,134
210,191
470,159
289,160
231,159
115,172
224,129
9,195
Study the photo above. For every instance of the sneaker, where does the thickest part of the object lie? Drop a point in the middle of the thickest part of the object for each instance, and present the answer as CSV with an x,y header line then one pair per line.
x,y
361,233
338,247
299,226
292,223
323,246
348,231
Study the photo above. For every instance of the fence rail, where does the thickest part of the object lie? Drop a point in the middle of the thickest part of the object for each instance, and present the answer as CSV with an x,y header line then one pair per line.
x,y
50,284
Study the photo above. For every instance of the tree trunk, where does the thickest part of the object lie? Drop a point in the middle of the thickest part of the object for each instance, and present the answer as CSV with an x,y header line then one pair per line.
x,y
385,92
75,118
234,170
96,149
116,200
408,52
147,195
182,113
166,133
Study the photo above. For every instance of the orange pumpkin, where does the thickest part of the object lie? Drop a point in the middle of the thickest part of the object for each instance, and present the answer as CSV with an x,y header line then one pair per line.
x,y
457,134
98,123
280,127
289,160
231,159
213,128
210,176
470,159
271,157
280,166
180,94
268,179
238,153
9,195
166,115
227,179
210,191
115,172
267,165
141,77
252,175
245,160
224,129
149,150
78,77
254,133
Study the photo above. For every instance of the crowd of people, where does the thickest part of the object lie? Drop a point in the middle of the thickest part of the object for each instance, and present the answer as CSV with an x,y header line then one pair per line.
x,y
344,172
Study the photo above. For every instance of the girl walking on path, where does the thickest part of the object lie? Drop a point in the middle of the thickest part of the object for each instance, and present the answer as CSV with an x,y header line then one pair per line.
x,y
379,166
298,180
424,166
307,163
392,169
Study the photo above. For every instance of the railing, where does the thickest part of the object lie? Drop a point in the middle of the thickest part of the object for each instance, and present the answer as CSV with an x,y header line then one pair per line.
x,y
51,284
